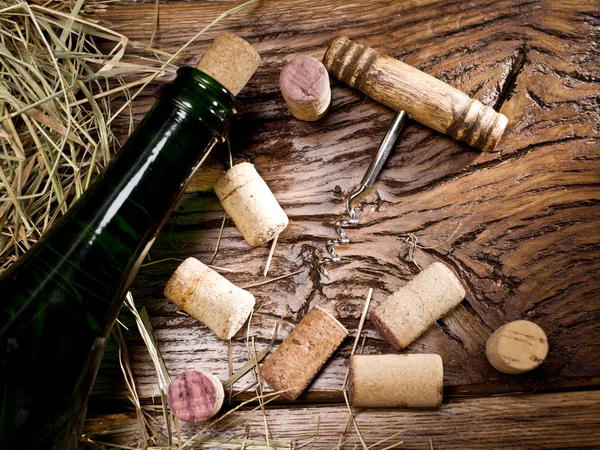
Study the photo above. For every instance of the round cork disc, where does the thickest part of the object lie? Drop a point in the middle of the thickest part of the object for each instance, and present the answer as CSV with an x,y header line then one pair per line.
x,y
304,83
517,347
195,396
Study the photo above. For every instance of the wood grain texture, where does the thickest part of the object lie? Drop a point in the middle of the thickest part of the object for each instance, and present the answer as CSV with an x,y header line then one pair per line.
x,y
520,227
527,422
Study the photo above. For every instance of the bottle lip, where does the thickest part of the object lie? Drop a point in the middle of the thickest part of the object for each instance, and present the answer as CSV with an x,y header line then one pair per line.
x,y
202,97
204,78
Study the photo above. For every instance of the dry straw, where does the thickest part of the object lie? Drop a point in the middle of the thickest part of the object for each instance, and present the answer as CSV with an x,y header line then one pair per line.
x,y
58,91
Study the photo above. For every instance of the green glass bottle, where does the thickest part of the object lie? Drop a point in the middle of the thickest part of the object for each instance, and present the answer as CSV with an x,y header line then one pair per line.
x,y
59,302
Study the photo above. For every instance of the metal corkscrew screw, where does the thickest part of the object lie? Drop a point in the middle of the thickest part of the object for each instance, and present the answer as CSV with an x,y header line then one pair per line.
x,y
370,175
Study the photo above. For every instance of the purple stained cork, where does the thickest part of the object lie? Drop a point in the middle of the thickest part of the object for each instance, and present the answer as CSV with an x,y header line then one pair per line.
x,y
305,87
195,396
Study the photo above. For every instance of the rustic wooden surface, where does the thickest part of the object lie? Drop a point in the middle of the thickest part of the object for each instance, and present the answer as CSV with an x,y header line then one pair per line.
x,y
525,422
520,226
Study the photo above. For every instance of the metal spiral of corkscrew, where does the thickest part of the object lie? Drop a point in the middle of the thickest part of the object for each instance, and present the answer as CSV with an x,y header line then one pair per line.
x,y
371,174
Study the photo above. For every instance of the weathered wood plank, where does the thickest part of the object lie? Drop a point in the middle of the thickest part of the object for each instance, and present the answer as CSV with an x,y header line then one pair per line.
x,y
541,421
520,226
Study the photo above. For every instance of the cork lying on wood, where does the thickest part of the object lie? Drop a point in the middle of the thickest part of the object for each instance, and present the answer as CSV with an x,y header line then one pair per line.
x,y
405,381
521,231
304,84
407,313
294,364
250,204
231,61
195,396
212,299
517,347
425,98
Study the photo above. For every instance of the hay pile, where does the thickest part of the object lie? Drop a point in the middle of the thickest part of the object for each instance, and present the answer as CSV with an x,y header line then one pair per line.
x,y
61,75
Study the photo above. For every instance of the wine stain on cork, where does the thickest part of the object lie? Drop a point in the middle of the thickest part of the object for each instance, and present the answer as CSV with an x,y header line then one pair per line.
x,y
194,396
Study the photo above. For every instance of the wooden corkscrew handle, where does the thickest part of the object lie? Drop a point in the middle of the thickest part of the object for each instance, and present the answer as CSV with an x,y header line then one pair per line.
x,y
425,98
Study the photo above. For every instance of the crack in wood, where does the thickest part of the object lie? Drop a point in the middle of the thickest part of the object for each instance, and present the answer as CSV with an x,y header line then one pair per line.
x,y
447,331
511,79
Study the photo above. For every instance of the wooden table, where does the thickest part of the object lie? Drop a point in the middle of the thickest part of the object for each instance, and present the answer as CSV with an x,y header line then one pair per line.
x,y
520,226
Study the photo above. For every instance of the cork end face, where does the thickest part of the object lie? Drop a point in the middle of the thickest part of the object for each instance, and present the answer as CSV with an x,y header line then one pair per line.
x,y
237,176
304,79
269,235
195,396
279,381
377,318
231,61
439,393
351,377
235,323
304,84
517,347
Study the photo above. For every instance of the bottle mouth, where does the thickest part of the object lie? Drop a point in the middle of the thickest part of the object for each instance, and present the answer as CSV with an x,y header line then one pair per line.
x,y
202,97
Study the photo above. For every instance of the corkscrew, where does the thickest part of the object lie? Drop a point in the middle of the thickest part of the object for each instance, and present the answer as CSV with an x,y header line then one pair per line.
x,y
368,179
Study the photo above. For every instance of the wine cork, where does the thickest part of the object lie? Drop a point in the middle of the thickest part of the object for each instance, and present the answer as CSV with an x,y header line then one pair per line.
x,y
304,84
250,204
231,61
407,313
212,299
195,396
517,347
404,381
294,364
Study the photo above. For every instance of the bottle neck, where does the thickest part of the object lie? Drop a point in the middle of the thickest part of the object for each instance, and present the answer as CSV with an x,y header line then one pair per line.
x,y
201,96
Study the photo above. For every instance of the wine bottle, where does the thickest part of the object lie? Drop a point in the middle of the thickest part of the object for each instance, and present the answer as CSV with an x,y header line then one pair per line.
x,y
59,302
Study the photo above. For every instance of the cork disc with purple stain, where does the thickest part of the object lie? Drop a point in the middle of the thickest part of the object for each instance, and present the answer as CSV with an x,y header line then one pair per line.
x,y
304,84
195,396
